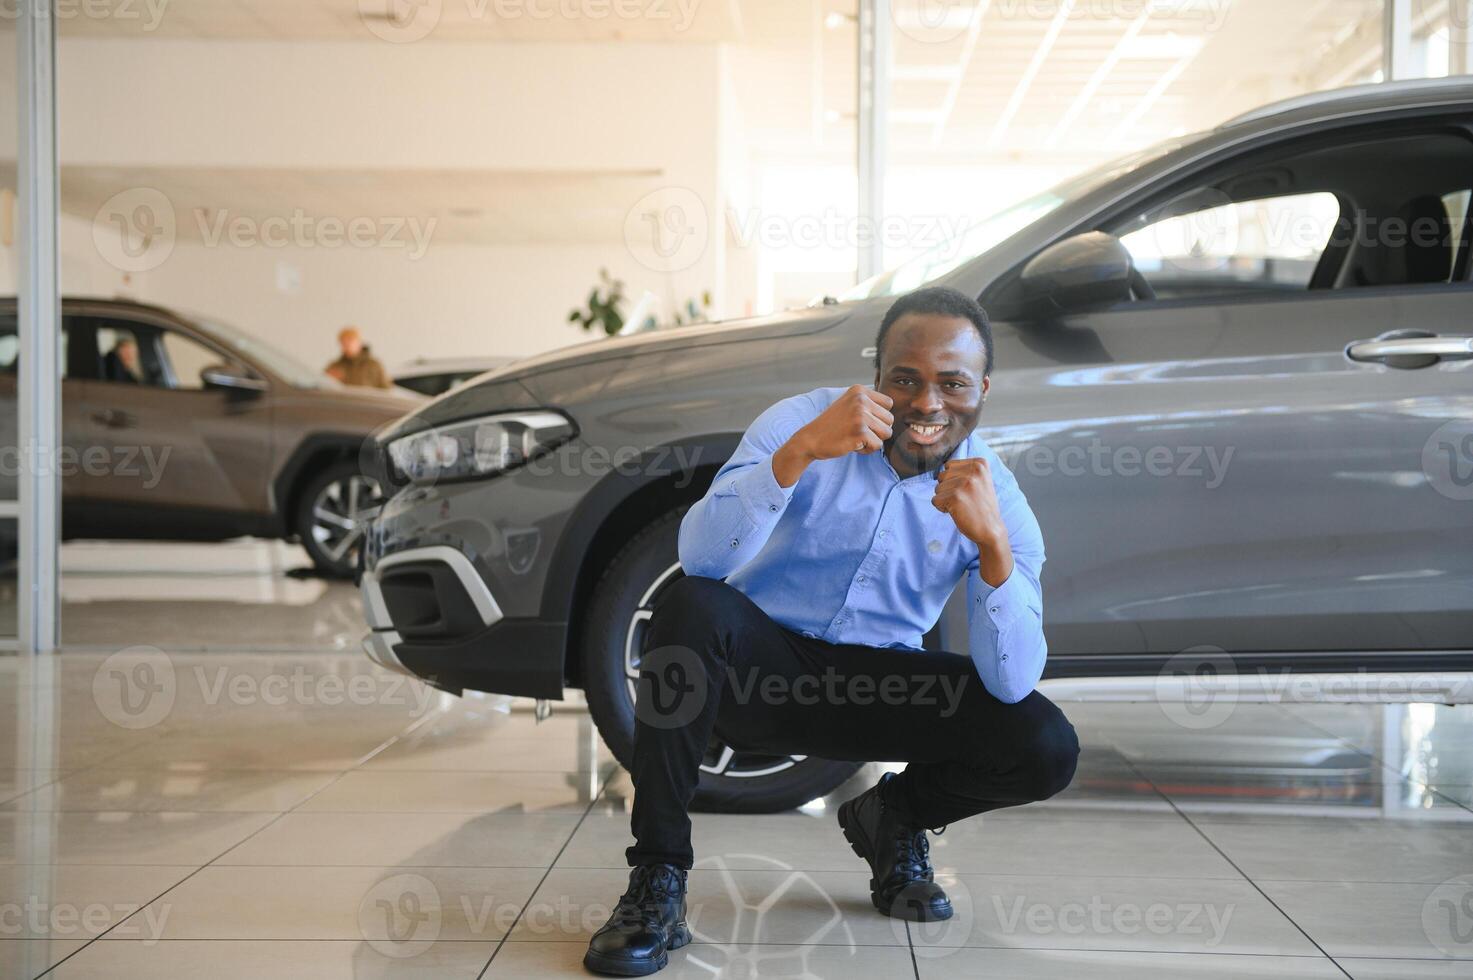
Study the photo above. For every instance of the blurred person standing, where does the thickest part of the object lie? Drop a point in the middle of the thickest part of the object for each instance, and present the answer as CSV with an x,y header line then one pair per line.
x,y
357,366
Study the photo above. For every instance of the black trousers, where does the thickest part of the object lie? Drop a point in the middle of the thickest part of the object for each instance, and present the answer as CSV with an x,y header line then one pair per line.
x,y
714,662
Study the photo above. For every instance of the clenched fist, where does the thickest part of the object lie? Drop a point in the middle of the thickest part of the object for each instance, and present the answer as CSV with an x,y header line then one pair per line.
x,y
858,421
965,492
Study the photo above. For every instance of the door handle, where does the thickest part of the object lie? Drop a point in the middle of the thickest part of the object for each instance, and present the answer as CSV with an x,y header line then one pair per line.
x,y
1409,349
113,418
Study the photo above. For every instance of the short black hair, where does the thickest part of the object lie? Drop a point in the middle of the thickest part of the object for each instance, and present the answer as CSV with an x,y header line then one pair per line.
x,y
942,301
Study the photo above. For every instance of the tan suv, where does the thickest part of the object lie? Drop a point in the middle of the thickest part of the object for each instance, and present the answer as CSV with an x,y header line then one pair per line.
x,y
178,427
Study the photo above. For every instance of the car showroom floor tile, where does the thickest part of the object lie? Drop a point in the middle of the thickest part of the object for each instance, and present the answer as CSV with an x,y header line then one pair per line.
x,y
774,905
402,907
1041,844
108,789
704,961
122,837
1182,915
65,902
363,791
1270,848
32,957
307,815
471,840
1399,969
244,594
966,963
346,959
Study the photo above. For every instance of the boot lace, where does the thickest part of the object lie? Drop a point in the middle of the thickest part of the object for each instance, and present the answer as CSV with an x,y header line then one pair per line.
x,y
649,887
913,853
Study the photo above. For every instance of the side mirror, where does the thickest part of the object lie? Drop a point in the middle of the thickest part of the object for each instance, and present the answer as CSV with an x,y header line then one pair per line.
x,y
231,379
1091,269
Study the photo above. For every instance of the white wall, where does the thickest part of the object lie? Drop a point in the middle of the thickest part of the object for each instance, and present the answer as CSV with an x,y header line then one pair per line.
x,y
309,106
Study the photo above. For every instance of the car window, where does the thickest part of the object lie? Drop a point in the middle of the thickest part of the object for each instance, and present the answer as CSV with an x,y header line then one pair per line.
x,y
186,359
1348,211
126,355
10,346
1456,204
1267,244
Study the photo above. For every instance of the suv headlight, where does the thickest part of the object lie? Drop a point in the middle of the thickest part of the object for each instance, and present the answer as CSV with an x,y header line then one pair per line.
x,y
477,448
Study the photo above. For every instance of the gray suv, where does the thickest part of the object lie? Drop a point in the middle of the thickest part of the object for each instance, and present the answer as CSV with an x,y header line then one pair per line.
x,y
1234,379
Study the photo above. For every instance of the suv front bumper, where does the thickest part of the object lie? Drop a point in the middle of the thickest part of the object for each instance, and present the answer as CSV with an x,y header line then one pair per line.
x,y
451,588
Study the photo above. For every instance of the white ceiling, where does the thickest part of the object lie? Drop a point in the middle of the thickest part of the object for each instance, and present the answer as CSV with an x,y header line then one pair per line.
x,y
690,21
994,80
467,207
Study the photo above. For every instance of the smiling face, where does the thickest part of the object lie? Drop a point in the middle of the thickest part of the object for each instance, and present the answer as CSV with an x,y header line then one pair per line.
x,y
932,366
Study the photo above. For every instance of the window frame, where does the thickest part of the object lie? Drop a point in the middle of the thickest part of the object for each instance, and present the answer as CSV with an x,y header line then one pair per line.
x,y
1457,121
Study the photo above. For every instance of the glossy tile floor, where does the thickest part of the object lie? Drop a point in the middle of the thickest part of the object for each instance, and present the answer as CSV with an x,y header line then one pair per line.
x,y
212,782
306,815
237,595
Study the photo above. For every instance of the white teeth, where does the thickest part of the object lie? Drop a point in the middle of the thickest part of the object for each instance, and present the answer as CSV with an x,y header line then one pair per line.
x,y
927,430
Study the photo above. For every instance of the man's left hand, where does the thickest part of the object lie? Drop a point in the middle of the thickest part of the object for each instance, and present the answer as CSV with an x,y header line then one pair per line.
x,y
965,492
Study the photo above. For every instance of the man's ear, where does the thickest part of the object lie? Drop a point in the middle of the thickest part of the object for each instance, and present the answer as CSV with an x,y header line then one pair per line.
x,y
986,386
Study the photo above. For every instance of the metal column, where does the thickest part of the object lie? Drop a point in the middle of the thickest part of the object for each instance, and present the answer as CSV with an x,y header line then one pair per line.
x,y
1460,37
874,112
1396,48
38,434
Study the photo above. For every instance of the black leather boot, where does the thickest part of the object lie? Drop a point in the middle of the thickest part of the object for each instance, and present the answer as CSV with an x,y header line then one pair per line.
x,y
648,922
880,829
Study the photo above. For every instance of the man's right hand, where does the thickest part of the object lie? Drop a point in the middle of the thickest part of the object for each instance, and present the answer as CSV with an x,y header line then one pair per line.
x,y
859,421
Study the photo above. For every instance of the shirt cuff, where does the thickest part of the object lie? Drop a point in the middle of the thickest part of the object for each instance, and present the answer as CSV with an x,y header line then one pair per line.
x,y
1004,605
760,493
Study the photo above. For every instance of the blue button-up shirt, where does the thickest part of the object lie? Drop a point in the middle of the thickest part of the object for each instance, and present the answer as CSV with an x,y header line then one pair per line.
x,y
853,553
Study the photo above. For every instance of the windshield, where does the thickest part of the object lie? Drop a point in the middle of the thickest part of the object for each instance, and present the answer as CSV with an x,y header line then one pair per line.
x,y
278,362
989,232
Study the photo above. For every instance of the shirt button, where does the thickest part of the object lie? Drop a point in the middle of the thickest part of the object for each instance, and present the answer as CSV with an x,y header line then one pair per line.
x,y
861,578
993,610
883,533
734,542
772,507
1004,656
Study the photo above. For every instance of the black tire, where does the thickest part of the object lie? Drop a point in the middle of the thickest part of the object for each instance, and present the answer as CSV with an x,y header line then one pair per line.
x,y
332,488
631,583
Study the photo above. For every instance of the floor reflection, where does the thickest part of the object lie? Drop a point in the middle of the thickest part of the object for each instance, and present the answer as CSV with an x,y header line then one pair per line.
x,y
243,594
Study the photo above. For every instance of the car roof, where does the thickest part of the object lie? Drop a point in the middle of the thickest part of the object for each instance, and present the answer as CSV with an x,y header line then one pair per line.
x,y
1362,98
441,365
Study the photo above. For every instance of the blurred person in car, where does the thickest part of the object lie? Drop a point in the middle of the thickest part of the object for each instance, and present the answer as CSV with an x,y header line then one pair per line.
x,y
357,366
121,363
